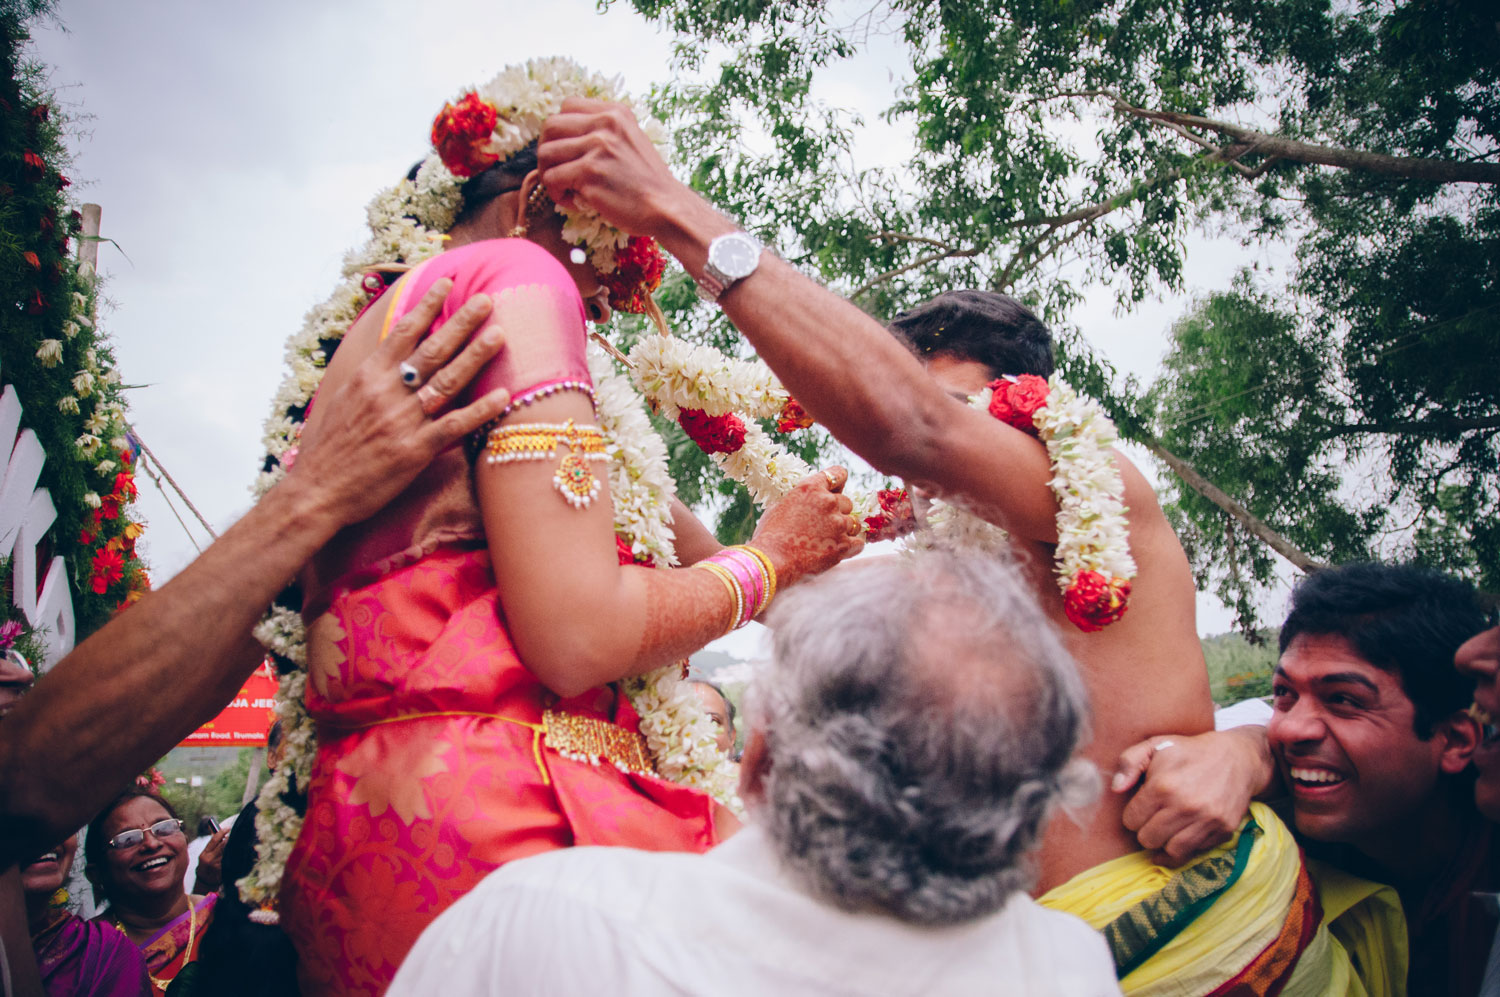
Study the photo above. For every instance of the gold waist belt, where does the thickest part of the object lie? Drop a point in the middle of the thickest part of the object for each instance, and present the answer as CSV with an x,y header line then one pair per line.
x,y
578,738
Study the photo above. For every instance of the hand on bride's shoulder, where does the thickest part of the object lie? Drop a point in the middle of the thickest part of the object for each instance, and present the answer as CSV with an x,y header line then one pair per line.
x,y
381,430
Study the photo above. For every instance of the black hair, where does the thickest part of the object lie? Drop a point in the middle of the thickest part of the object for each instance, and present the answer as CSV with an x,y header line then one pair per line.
x,y
486,185
273,736
95,843
994,329
1401,618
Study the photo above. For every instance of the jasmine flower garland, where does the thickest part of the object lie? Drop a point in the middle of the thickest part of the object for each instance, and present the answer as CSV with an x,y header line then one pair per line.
x,y
1092,561
406,223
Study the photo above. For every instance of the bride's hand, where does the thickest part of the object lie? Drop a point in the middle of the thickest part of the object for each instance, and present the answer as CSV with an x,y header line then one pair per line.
x,y
811,529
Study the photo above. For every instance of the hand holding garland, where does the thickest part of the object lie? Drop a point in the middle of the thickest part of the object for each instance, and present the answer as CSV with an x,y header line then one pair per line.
x,y
847,371
157,671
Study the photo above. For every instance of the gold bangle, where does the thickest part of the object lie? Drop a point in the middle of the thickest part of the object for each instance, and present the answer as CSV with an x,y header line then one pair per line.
x,y
736,597
770,572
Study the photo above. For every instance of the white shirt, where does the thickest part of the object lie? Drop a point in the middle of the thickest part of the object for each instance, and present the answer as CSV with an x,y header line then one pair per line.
x,y
622,921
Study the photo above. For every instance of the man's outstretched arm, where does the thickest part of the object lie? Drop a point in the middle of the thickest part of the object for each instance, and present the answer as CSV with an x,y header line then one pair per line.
x,y
152,675
852,375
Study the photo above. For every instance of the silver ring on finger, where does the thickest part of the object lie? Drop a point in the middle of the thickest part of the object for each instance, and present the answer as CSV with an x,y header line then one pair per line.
x,y
410,376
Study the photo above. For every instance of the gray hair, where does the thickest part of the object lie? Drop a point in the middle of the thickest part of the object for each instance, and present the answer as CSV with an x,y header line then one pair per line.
x,y
920,718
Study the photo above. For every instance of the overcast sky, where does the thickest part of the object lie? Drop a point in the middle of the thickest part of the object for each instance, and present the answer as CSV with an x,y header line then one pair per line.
x,y
233,148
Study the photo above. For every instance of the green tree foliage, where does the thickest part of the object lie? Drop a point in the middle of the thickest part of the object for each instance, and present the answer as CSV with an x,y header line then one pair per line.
x,y
1059,146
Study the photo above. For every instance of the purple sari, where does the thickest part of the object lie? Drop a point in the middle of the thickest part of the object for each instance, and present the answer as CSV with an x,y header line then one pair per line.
x,y
75,956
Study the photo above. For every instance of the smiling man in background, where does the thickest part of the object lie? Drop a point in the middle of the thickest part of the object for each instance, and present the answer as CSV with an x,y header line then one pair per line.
x,y
1373,742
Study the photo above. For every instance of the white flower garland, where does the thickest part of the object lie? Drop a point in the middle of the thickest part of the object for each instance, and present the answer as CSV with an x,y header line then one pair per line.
x,y
673,722
1093,533
678,375
673,372
524,97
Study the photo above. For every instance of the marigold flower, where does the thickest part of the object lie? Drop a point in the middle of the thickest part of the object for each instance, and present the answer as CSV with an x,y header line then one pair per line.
x,y
713,433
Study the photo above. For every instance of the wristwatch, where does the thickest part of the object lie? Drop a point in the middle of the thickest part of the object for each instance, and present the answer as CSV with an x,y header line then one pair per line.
x,y
731,257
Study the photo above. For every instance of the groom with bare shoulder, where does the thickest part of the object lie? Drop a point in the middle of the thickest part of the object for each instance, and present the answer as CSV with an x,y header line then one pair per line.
x,y
899,404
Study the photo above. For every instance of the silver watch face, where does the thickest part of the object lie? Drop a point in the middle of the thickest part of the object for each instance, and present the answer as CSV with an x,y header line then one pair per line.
x,y
735,255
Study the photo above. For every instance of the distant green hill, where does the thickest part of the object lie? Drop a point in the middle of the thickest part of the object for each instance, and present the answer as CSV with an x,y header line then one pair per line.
x,y
1237,668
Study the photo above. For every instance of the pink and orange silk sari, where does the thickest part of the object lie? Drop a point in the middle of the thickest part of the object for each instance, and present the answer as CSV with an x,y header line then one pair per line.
x,y
438,750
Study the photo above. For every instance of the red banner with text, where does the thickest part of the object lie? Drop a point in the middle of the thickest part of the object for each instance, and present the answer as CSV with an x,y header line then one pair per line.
x,y
246,721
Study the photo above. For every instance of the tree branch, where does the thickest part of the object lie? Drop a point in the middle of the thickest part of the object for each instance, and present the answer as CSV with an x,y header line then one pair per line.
x,y
1418,426
921,261
1278,147
1104,207
1256,526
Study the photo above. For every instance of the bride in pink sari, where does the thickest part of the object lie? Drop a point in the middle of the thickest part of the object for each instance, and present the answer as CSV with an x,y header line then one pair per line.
x,y
463,642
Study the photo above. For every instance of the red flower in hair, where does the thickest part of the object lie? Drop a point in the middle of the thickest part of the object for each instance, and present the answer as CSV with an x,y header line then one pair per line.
x,y
1016,400
108,568
461,135
637,273
32,165
793,417
1094,601
713,433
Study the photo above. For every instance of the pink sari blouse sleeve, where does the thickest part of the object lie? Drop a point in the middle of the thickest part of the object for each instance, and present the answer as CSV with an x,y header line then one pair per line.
x,y
536,303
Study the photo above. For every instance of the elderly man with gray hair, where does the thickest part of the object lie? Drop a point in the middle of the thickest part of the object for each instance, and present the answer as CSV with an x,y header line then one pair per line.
x,y
907,745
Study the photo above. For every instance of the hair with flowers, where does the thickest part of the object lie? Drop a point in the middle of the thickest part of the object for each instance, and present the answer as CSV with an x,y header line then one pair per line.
x,y
491,123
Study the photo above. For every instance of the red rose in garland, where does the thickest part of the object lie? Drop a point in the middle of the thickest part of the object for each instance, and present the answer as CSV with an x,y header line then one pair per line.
x,y
1094,601
32,165
713,433
895,517
793,417
1015,400
108,568
637,274
461,135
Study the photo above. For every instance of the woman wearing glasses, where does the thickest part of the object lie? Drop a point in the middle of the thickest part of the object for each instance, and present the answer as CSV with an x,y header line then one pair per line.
x,y
136,855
